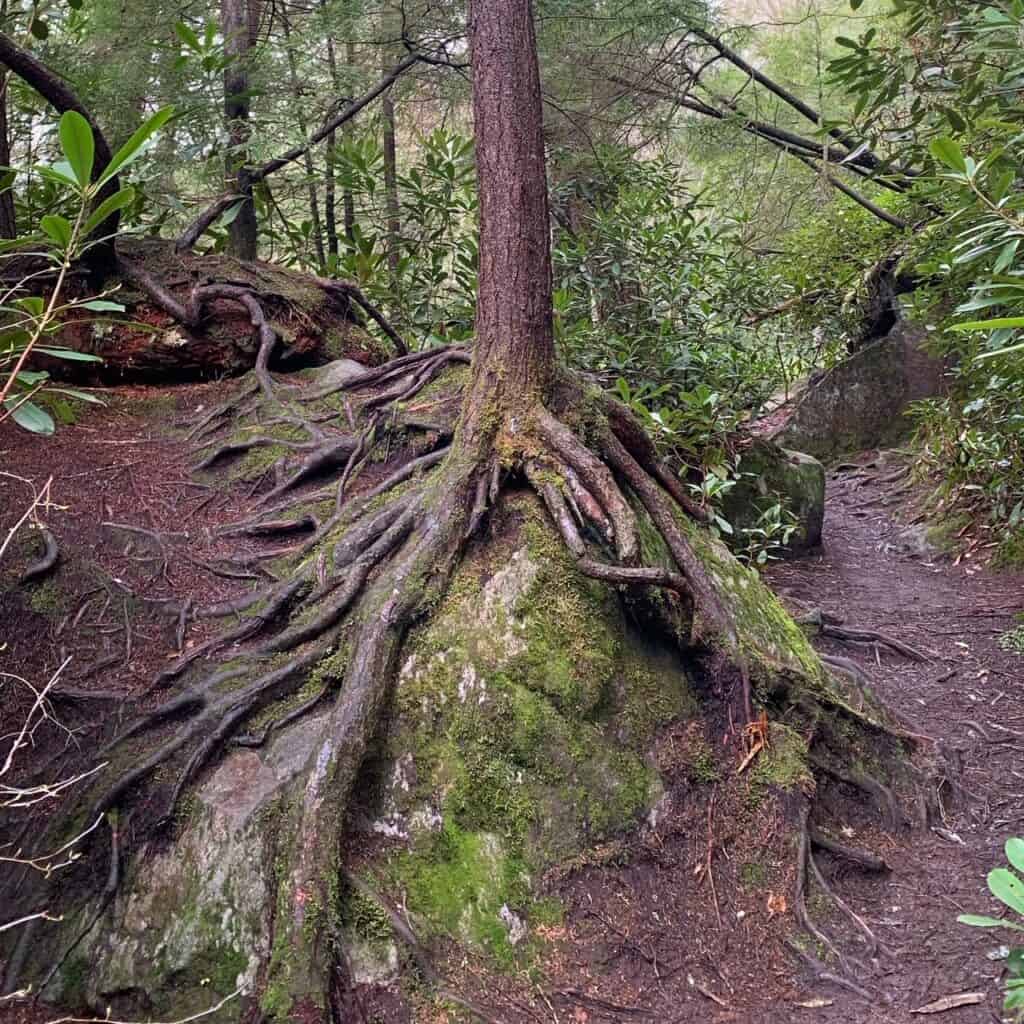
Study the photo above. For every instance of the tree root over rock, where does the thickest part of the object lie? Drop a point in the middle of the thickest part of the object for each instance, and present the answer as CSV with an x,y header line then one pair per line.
x,y
372,561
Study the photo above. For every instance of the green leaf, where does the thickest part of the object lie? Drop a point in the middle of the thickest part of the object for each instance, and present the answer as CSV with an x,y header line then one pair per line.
x,y
118,201
55,174
947,152
103,306
69,354
1015,852
32,304
133,147
1007,888
990,325
980,921
58,228
39,28
79,146
188,36
83,396
999,352
30,417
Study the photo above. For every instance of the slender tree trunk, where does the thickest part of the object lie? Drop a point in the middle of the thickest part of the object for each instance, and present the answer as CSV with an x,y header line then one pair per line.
x,y
330,192
391,206
237,18
8,219
513,357
314,201
348,199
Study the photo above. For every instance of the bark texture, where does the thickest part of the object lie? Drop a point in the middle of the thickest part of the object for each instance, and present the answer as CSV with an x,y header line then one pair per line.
x,y
239,21
514,352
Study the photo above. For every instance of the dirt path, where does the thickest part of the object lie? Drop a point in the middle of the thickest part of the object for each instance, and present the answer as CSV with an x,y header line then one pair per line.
x,y
968,696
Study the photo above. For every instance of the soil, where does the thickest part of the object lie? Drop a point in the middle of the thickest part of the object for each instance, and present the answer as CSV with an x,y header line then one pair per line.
x,y
679,923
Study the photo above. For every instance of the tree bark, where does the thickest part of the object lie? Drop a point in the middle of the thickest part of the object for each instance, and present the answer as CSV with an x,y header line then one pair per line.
x,y
391,206
8,219
314,200
239,36
513,357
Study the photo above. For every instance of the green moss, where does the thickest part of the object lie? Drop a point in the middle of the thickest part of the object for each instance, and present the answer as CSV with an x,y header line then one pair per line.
x,y
945,535
1010,552
74,976
47,599
783,764
753,875
460,882
365,917
700,761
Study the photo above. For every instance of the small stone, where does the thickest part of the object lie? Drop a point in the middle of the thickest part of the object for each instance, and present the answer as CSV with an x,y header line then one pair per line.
x,y
514,923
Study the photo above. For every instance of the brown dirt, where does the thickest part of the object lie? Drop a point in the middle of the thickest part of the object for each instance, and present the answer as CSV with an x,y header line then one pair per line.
x,y
647,935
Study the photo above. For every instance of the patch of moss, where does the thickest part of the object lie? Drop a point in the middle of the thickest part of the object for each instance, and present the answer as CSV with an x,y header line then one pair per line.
x,y
47,598
753,875
1010,552
944,535
460,882
783,764
365,917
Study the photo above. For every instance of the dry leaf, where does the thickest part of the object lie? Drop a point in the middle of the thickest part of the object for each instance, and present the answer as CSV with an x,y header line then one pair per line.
x,y
815,1004
952,1002
777,904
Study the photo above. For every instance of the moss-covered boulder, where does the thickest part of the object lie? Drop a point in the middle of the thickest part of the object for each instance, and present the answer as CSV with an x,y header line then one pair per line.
x,y
770,475
536,719
860,402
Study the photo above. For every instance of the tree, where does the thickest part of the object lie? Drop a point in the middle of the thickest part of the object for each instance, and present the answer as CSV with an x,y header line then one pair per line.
x,y
330,626
240,25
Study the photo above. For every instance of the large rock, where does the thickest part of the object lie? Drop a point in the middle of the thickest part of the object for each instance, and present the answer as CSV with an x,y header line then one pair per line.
x,y
525,730
859,403
769,474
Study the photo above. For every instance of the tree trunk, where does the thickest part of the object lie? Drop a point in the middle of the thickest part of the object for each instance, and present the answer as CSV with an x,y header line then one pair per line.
x,y
348,199
8,220
238,28
391,206
314,201
514,352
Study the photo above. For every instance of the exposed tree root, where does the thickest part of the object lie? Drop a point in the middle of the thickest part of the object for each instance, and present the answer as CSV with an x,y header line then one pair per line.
x,y
362,574
44,565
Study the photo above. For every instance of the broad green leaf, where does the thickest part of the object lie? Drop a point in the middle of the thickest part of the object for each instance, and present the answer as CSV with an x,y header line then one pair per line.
x,y
1015,852
187,35
58,228
32,304
30,378
980,921
990,325
230,214
55,175
79,146
1007,888
81,395
69,354
29,416
102,306
947,152
39,28
131,149
118,201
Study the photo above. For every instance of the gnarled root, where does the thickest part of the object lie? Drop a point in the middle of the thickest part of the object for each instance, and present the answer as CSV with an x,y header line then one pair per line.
x,y
362,573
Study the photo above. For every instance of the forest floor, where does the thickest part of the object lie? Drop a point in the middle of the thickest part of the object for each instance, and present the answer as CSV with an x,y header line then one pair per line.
x,y
644,936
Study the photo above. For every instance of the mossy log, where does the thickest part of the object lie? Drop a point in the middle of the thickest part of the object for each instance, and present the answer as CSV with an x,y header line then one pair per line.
x,y
314,320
